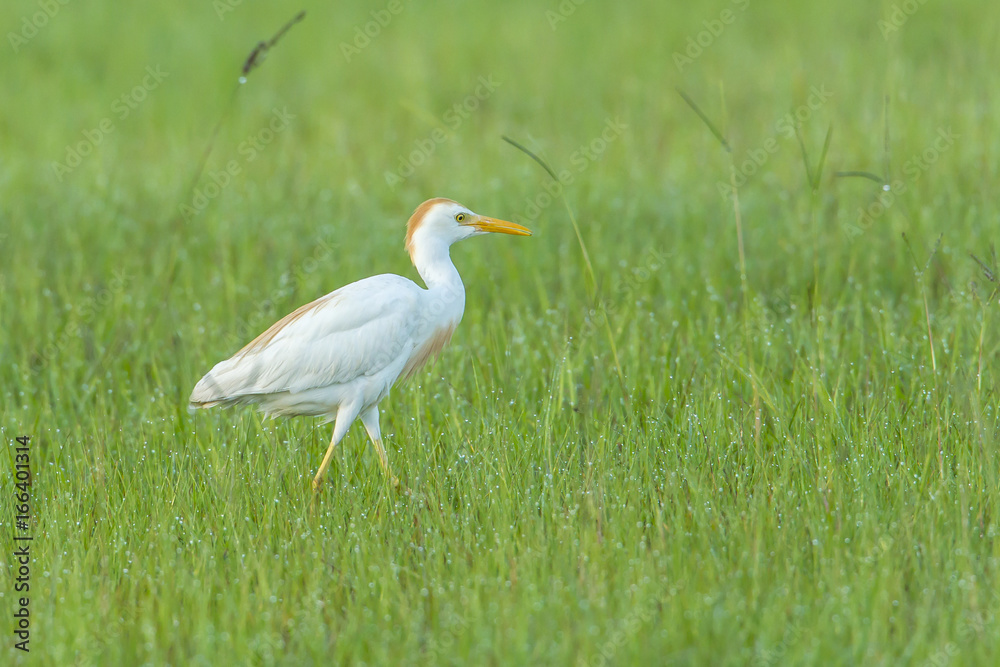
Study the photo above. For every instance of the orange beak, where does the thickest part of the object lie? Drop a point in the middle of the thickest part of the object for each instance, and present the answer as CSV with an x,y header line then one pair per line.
x,y
484,224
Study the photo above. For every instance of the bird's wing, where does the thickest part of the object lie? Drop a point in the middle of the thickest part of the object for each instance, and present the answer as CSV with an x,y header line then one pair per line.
x,y
355,331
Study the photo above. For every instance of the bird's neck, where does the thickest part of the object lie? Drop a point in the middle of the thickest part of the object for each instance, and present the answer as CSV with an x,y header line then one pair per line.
x,y
433,262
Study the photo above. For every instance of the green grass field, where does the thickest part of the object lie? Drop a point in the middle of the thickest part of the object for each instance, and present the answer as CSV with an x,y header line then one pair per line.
x,y
659,462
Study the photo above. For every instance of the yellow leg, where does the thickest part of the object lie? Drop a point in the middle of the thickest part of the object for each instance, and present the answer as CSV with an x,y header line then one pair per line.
x,y
370,419
384,461
344,420
317,480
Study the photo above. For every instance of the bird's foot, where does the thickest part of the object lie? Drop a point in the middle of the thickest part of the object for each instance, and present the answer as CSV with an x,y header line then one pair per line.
x,y
396,486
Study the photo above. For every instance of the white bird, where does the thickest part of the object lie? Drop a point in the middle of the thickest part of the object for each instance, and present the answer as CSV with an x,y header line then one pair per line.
x,y
340,355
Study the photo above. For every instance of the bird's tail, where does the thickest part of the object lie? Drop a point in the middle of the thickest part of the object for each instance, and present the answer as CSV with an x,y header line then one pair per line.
x,y
211,390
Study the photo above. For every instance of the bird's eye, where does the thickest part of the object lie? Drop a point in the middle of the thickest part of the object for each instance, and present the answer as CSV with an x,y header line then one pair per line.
x,y
460,217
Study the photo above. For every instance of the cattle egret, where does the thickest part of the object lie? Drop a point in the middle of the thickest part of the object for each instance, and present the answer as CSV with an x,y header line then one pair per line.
x,y
340,355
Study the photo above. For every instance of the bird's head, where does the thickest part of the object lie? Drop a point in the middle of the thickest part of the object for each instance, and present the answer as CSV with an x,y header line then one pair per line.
x,y
445,221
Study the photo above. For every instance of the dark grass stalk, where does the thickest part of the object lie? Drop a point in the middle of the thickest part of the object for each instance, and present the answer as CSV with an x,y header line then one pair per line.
x,y
861,174
930,341
252,62
705,119
990,275
815,177
735,189
885,180
586,260
572,218
738,217
886,146
923,290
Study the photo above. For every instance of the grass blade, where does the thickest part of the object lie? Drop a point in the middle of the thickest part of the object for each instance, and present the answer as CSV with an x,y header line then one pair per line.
x,y
572,218
822,156
586,259
252,62
701,114
805,159
860,174
534,157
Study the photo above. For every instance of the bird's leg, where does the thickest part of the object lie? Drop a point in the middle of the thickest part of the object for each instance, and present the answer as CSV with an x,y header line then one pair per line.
x,y
345,417
370,419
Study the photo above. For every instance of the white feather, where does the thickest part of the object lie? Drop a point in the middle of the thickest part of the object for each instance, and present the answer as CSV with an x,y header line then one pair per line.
x,y
358,332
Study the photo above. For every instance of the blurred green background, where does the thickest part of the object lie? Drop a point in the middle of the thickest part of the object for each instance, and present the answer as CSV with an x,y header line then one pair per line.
x,y
657,462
